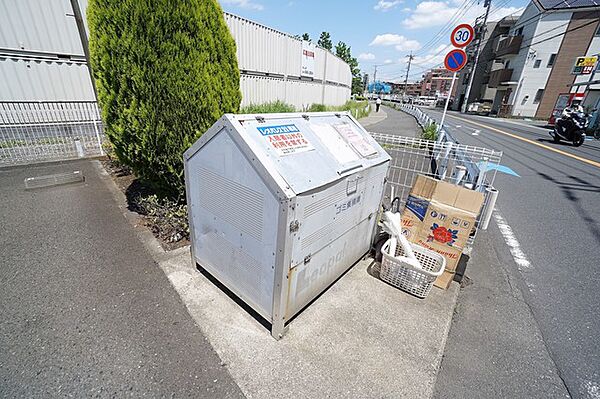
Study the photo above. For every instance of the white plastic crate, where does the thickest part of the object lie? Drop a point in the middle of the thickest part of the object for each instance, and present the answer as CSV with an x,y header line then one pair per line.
x,y
410,279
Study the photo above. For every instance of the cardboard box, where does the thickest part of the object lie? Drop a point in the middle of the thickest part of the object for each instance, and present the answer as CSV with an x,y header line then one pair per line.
x,y
440,216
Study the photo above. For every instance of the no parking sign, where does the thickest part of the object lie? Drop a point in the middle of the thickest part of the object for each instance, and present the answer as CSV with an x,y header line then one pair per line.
x,y
455,60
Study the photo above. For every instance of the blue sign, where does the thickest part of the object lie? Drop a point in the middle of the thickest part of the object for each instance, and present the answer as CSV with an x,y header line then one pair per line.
x,y
378,87
455,60
280,129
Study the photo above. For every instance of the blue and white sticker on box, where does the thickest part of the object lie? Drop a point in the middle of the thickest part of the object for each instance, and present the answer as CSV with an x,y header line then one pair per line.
x,y
285,139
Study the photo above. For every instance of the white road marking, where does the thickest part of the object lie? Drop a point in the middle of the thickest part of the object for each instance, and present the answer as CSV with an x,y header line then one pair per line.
x,y
514,246
475,132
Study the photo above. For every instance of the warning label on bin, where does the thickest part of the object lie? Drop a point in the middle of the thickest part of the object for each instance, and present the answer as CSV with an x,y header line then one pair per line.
x,y
355,139
285,139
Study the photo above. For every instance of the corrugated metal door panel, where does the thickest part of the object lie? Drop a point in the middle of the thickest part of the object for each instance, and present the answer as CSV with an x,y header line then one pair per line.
x,y
332,67
294,58
44,81
320,56
39,25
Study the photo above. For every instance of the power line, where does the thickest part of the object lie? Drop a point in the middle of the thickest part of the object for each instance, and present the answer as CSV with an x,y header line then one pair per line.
x,y
446,28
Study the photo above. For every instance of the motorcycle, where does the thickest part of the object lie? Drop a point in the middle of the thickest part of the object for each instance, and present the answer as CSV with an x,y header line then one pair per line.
x,y
571,127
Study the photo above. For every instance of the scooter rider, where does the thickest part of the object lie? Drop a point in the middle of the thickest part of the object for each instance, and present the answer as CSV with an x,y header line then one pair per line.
x,y
567,113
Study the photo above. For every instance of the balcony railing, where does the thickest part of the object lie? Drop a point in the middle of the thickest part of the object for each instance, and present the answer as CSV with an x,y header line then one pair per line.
x,y
499,76
509,46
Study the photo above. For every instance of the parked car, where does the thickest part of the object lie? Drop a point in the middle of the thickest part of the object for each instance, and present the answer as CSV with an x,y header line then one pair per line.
x,y
483,107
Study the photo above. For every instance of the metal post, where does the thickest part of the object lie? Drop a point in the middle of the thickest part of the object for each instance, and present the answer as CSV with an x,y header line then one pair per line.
x,y
84,41
447,101
324,77
97,131
473,70
410,58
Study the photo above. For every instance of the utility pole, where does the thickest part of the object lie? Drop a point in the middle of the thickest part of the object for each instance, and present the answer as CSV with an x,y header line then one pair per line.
x,y
410,58
84,41
487,4
375,73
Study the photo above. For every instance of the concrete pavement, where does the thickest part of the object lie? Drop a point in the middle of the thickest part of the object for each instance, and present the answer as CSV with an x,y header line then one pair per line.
x,y
85,310
395,122
542,342
373,117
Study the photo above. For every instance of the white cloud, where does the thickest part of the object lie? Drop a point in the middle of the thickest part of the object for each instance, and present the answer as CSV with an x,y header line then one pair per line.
x,y
366,56
400,42
388,61
386,5
436,13
244,4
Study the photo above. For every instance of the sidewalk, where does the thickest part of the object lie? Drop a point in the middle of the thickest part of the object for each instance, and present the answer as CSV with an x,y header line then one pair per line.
x,y
373,117
395,122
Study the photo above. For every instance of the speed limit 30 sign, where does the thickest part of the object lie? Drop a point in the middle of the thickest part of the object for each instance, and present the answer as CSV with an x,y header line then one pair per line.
x,y
462,35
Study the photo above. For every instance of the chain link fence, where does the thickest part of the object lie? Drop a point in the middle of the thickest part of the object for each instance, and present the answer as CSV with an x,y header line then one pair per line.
x,y
32,131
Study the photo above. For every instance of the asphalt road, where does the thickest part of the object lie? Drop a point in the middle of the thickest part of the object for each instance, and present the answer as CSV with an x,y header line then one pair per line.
x,y
538,322
85,310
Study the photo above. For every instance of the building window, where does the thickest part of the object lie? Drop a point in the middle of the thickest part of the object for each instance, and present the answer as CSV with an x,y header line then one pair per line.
x,y
519,31
551,60
537,63
538,96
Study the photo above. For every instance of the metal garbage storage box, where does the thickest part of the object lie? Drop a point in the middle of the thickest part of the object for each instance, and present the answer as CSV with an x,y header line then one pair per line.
x,y
281,205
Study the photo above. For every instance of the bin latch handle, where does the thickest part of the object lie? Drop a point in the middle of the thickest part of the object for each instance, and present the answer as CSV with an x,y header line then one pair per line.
x,y
341,172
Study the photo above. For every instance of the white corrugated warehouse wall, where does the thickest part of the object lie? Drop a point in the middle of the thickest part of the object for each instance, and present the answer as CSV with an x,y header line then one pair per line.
x,y
271,61
41,59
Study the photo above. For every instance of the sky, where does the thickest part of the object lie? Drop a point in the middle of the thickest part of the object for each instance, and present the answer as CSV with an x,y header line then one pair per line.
x,y
380,32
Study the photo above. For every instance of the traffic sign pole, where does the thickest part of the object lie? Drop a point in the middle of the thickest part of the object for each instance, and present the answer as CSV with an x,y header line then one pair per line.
x,y
447,101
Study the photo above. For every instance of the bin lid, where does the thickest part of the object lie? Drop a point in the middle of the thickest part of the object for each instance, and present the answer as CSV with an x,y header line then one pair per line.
x,y
309,150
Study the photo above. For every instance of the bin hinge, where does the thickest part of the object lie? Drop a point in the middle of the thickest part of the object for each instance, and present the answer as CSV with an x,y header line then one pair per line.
x,y
307,258
260,119
294,226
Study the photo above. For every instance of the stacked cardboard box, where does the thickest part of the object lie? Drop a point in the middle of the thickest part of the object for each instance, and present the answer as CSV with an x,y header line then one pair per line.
x,y
440,216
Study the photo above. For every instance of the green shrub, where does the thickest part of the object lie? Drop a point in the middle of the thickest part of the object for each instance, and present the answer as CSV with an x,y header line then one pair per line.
x,y
268,108
165,72
430,132
317,108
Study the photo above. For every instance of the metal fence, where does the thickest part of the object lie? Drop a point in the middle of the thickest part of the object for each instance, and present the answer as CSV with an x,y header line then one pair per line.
x,y
47,131
444,159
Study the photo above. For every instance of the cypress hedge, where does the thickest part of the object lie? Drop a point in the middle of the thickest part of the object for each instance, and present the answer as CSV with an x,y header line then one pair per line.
x,y
165,71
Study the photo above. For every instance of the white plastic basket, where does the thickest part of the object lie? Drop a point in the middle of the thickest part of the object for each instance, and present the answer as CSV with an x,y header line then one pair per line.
x,y
416,281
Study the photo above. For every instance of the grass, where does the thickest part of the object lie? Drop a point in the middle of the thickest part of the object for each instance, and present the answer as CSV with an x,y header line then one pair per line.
x,y
268,108
358,109
430,132
40,141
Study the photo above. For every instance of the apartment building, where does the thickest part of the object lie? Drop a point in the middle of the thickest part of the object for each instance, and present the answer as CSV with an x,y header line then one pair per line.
x,y
488,63
436,83
538,56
